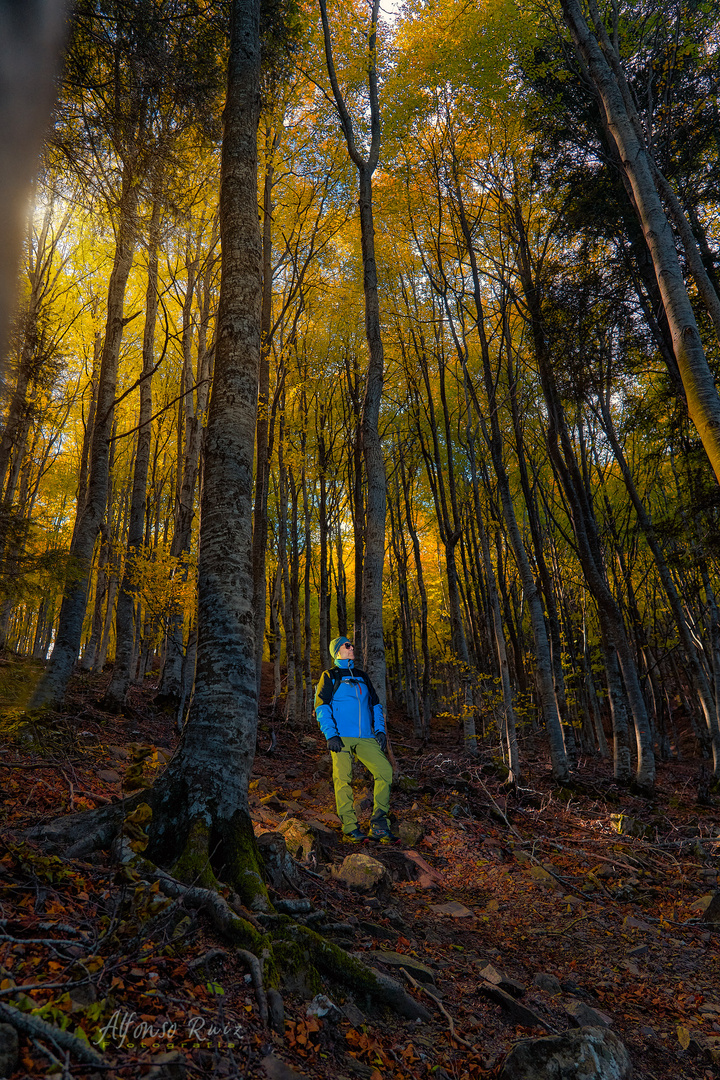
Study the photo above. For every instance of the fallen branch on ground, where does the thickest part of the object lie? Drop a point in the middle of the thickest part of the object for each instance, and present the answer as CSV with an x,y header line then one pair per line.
x,y
36,1028
502,813
453,1034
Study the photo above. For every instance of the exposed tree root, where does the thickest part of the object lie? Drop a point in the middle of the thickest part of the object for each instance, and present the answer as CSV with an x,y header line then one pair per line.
x,y
75,836
315,950
34,1027
226,922
256,971
341,967
211,954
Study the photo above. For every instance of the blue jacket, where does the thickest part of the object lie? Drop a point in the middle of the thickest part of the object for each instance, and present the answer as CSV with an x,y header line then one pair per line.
x,y
353,710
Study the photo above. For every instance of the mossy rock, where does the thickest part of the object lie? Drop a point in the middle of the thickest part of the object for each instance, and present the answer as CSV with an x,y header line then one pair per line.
x,y
365,875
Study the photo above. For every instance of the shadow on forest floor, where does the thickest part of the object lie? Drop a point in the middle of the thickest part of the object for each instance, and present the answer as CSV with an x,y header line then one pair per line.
x,y
585,905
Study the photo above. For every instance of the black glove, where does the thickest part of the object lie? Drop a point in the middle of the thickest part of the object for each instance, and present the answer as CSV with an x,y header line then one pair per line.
x,y
381,740
335,744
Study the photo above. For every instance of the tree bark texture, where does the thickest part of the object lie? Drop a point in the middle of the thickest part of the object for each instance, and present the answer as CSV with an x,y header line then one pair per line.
x,y
206,783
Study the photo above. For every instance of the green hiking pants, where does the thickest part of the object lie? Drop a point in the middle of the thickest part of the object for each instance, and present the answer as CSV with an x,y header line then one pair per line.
x,y
372,757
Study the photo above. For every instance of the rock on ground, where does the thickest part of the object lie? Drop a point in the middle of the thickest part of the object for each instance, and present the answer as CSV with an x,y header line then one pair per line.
x,y
585,1054
544,980
364,874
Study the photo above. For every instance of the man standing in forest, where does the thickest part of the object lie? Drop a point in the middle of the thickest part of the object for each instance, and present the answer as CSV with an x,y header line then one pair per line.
x,y
350,716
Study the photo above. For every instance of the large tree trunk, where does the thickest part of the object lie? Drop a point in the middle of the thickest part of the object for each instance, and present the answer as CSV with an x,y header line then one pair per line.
x,y
373,643
200,804
51,689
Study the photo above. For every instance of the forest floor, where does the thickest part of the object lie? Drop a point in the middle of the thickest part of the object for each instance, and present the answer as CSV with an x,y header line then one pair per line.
x,y
535,889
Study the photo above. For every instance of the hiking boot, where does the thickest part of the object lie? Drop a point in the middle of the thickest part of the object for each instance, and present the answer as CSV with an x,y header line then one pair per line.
x,y
382,835
357,836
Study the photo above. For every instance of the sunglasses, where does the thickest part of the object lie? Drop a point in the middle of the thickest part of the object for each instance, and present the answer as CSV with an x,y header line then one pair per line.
x,y
347,645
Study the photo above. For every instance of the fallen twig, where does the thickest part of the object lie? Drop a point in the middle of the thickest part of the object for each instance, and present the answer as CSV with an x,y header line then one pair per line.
x,y
101,800
33,986
502,813
564,930
52,942
60,1066
453,1034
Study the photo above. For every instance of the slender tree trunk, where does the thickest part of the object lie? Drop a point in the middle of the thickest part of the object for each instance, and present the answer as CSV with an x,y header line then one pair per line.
x,y
420,578
545,681
702,396
51,689
308,692
697,672
295,596
324,633
284,561
195,407
340,581
262,464
125,620
372,641
93,644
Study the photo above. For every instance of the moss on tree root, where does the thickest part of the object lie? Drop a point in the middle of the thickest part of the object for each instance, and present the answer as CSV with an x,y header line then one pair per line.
x,y
242,864
193,866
